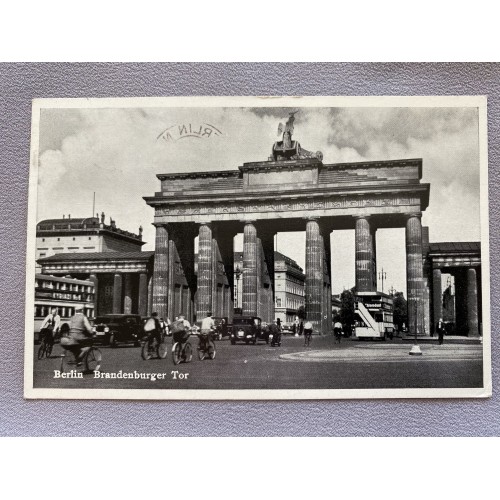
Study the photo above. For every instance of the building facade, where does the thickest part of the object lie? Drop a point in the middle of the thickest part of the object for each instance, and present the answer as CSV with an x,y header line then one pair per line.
x,y
109,257
289,286
87,235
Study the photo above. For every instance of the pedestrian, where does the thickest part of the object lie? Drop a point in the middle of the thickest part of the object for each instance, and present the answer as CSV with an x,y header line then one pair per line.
x,y
308,329
50,326
337,330
301,327
440,331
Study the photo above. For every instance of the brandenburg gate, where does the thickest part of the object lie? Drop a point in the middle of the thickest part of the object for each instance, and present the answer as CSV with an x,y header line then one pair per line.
x,y
292,191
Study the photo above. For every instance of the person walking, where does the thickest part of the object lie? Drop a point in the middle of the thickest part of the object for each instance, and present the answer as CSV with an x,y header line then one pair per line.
x,y
440,331
308,330
337,330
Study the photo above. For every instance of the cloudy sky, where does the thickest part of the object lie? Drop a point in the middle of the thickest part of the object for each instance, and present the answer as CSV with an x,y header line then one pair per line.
x,y
117,152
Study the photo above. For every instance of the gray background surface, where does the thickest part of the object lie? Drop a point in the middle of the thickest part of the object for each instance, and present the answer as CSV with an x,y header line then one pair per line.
x,y
20,83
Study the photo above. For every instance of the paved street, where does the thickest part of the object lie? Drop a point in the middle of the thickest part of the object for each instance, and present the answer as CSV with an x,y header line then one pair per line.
x,y
323,365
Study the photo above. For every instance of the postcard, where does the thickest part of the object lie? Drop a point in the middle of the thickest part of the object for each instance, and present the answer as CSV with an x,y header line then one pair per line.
x,y
267,248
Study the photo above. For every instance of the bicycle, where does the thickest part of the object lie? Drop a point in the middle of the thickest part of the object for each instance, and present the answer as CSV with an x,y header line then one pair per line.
x,y
152,348
90,358
45,349
182,350
206,347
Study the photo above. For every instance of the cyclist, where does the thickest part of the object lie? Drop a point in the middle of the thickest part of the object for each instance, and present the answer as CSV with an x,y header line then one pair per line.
x,y
180,329
79,335
275,331
156,332
51,326
207,327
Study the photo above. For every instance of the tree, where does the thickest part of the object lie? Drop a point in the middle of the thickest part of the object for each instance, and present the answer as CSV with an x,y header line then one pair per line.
x,y
347,310
400,310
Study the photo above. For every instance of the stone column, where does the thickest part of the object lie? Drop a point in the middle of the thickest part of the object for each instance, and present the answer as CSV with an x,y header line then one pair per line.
x,y
250,269
365,272
127,299
205,271
327,280
150,295
414,273
461,312
142,307
160,272
117,294
314,274
472,316
95,280
437,299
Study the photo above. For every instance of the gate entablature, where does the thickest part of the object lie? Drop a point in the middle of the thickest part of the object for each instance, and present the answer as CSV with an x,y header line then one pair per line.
x,y
290,189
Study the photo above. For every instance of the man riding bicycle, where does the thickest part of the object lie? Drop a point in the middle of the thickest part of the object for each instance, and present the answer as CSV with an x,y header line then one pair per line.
x,y
180,330
156,332
207,328
79,335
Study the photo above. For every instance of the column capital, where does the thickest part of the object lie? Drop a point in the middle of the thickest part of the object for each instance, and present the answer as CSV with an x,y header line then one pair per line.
x,y
248,221
207,222
159,224
359,217
413,215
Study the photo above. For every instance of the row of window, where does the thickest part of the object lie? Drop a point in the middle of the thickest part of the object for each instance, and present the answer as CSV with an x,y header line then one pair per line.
x,y
61,285
290,303
81,297
64,312
59,239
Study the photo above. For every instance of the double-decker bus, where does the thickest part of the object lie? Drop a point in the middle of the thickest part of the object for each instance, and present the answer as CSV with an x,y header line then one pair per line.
x,y
373,313
63,293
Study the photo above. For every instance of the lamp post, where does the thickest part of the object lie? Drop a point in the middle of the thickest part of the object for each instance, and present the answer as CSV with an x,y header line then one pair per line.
x,y
237,275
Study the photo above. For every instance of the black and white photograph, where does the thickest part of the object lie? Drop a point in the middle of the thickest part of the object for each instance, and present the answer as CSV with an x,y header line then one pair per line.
x,y
258,248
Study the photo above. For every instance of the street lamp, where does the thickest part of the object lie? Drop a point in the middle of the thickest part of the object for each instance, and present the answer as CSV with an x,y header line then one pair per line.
x,y
382,276
237,275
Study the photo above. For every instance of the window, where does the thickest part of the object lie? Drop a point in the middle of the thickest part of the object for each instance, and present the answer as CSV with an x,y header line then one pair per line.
x,y
278,301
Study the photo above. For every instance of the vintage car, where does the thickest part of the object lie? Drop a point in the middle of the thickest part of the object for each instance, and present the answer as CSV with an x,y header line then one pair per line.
x,y
111,329
286,329
247,329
